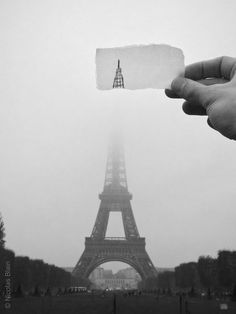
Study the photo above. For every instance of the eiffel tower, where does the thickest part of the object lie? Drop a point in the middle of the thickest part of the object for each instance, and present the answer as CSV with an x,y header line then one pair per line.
x,y
115,198
118,80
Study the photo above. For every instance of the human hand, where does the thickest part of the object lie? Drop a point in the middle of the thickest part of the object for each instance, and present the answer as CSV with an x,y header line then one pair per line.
x,y
209,88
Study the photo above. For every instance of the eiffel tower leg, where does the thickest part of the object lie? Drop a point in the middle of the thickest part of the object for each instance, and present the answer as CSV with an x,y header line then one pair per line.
x,y
147,266
100,227
129,224
81,267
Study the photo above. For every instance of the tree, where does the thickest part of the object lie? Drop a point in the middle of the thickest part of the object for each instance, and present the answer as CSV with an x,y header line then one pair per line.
x,y
186,275
234,293
166,279
37,292
6,260
226,263
19,292
149,283
2,232
207,269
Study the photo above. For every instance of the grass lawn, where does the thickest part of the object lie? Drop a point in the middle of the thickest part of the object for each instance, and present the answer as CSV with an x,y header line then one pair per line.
x,y
94,304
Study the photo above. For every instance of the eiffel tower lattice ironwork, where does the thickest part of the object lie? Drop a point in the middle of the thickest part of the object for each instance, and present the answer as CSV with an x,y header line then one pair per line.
x,y
118,80
115,197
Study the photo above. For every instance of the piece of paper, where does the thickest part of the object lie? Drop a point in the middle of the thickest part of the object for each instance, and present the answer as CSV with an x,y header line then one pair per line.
x,y
138,67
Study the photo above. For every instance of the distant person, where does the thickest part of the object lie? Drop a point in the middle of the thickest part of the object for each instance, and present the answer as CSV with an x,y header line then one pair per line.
x,y
209,88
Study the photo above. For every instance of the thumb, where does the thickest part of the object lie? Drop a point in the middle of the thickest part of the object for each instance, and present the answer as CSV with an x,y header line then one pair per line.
x,y
190,90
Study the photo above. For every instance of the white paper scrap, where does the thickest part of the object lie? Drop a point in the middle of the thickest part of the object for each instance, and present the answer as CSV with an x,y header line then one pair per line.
x,y
138,67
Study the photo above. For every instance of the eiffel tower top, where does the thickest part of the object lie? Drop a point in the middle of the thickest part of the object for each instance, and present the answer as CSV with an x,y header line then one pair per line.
x,y
115,178
118,80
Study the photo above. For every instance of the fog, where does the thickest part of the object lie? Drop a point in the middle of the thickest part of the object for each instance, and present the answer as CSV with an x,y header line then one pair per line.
x,y
55,127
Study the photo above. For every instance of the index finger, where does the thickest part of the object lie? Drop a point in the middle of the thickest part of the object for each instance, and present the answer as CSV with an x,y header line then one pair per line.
x,y
222,67
207,82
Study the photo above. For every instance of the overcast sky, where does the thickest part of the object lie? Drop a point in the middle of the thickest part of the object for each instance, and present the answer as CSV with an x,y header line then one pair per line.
x,y
55,125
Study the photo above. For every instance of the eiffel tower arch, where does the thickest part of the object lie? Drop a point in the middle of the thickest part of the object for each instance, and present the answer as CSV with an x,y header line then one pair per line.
x,y
115,198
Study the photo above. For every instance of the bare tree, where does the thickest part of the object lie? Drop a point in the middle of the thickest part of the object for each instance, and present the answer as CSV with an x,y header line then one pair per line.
x,y
2,232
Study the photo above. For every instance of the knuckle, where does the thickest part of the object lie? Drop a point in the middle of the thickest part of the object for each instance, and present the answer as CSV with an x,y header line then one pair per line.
x,y
233,71
185,89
